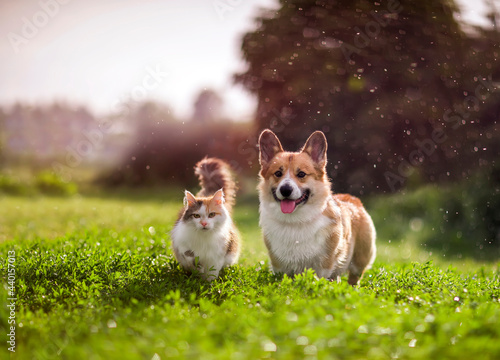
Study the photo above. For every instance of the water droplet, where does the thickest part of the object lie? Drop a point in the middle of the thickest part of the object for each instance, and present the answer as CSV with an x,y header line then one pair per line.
x,y
302,340
363,329
111,324
268,345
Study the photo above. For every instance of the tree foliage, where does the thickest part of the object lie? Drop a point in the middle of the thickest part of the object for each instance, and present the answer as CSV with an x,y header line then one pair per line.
x,y
402,92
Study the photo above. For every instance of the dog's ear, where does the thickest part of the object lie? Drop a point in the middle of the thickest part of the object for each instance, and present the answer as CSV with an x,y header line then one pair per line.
x,y
316,148
269,146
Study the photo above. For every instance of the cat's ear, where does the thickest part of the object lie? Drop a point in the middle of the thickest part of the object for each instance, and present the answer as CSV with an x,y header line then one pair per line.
x,y
218,197
189,199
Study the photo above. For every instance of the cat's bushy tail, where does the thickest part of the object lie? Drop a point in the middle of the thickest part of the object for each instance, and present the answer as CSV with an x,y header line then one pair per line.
x,y
215,174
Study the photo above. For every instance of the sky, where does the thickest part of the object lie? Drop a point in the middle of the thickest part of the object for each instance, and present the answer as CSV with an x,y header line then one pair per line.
x,y
101,53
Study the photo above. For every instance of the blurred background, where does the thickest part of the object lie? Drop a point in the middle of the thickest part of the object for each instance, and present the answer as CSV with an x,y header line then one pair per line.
x,y
131,94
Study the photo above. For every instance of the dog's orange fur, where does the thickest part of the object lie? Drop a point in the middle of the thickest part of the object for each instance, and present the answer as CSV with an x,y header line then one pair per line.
x,y
345,239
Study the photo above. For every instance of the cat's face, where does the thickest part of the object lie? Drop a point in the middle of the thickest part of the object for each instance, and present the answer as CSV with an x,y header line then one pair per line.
x,y
204,213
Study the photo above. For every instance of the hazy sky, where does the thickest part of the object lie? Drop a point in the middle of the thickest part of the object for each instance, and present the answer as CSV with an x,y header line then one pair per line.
x,y
101,52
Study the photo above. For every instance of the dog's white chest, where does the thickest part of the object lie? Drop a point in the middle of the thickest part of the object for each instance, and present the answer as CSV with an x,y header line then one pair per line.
x,y
297,245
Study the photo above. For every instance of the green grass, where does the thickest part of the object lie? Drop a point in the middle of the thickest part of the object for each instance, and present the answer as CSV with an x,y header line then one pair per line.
x,y
456,225
95,279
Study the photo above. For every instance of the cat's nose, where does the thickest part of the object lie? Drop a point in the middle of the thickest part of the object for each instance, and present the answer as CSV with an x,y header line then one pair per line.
x,y
203,223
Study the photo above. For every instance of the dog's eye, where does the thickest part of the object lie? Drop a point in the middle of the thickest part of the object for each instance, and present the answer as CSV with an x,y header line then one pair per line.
x,y
278,173
301,174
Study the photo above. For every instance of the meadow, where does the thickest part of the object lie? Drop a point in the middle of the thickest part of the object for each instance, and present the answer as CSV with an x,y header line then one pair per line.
x,y
95,279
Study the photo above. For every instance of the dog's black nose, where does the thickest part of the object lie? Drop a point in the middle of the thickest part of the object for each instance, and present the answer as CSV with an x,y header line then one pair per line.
x,y
286,190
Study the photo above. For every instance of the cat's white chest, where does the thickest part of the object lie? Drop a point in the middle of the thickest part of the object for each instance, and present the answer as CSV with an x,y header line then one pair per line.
x,y
208,246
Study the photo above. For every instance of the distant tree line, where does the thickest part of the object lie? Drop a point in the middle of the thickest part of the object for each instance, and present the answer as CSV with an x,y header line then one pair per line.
x,y
57,136
141,144
165,149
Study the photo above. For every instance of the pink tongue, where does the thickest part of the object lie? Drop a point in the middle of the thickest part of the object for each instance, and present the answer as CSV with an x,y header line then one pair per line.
x,y
287,206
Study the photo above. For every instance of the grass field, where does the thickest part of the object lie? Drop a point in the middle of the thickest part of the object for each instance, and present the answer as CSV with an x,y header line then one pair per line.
x,y
95,279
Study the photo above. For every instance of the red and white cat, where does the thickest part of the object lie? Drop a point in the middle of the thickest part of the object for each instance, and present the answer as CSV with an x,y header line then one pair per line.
x,y
204,238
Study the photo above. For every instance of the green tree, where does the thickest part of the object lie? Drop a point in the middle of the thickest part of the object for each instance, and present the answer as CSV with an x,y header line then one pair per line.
x,y
376,77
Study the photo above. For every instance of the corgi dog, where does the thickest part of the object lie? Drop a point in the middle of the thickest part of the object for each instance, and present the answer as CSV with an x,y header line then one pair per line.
x,y
204,238
304,225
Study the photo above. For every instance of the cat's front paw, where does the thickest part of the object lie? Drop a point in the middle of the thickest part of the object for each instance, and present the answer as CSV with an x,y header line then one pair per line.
x,y
211,274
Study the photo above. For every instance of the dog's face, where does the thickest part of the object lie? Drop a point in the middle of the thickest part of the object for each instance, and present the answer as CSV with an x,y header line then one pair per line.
x,y
293,180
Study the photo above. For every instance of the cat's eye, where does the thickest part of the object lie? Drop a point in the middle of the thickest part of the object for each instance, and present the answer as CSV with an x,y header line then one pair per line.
x,y
301,174
196,216
278,173
211,215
